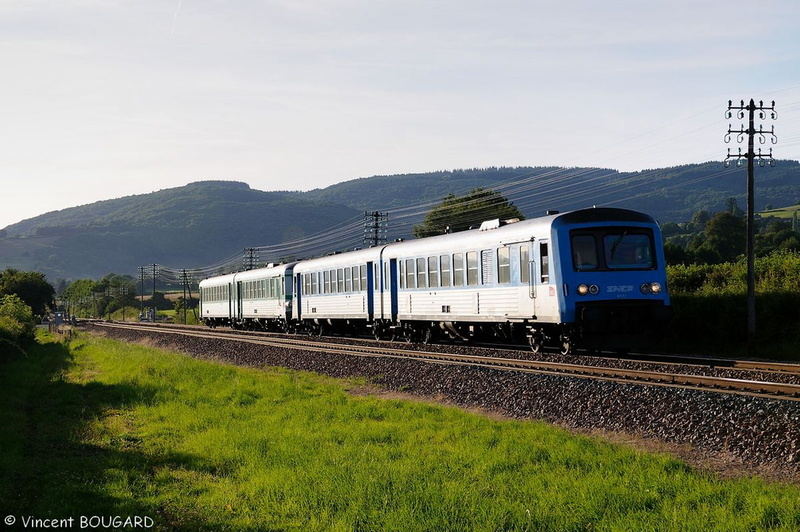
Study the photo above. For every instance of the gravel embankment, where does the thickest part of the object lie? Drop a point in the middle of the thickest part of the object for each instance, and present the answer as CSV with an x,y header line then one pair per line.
x,y
727,433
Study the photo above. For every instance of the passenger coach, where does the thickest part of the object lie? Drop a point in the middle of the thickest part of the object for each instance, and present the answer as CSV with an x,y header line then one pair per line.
x,y
255,299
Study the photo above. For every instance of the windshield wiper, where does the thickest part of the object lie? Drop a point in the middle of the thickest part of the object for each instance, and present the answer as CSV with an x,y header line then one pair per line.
x,y
615,245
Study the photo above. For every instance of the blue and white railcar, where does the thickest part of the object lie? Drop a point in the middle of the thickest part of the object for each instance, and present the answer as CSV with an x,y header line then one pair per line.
x,y
264,298
337,292
594,277
218,301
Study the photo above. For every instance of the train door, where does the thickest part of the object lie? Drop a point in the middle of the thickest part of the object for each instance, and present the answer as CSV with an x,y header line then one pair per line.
x,y
231,302
370,291
546,302
297,309
527,273
393,288
239,301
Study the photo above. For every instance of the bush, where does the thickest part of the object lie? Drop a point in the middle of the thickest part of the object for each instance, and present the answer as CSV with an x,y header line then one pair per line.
x,y
710,306
16,319
777,272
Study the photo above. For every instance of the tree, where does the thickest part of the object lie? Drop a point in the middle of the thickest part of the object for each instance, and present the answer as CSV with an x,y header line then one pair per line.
x,y
698,222
732,207
457,213
77,298
674,254
31,287
777,235
726,234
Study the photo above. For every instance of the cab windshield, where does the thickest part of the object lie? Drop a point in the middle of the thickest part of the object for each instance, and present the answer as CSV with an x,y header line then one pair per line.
x,y
612,249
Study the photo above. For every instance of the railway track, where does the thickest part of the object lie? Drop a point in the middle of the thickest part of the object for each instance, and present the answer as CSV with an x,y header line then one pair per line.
x,y
741,386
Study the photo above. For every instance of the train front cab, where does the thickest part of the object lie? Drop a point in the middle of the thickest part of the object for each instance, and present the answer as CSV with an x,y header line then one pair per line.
x,y
613,279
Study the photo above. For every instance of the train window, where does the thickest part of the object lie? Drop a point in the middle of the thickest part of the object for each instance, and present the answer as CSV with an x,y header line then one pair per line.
x,y
524,264
340,279
314,283
472,268
503,265
584,252
327,281
348,279
444,261
364,277
410,273
402,274
458,269
628,251
544,254
422,280
356,280
433,272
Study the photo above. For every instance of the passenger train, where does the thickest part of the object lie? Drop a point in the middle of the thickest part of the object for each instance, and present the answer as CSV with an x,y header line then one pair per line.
x,y
591,278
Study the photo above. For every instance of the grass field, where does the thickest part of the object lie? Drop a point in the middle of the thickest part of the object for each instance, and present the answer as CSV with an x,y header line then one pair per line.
x,y
784,212
99,428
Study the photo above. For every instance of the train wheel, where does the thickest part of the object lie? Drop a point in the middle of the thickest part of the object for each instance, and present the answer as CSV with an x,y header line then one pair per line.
x,y
428,336
377,330
536,341
566,345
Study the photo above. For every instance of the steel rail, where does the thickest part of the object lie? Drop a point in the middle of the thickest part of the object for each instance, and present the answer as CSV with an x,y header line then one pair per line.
x,y
628,376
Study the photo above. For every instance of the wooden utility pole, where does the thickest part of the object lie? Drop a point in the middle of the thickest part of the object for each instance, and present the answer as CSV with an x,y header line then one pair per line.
x,y
750,156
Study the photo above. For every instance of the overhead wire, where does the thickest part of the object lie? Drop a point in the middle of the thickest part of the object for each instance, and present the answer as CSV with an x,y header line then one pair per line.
x,y
533,190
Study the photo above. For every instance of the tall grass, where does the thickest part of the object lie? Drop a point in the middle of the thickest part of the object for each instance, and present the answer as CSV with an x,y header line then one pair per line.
x,y
104,428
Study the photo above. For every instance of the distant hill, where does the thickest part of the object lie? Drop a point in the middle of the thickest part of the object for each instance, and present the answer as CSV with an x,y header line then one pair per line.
x,y
669,194
205,222
195,225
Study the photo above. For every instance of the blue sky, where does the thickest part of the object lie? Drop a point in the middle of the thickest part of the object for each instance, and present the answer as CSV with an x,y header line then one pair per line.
x,y
103,99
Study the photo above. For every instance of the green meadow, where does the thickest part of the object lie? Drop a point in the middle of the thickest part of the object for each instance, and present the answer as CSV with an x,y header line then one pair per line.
x,y
100,428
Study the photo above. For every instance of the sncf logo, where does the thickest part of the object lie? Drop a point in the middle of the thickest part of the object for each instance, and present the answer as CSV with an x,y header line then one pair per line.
x,y
619,289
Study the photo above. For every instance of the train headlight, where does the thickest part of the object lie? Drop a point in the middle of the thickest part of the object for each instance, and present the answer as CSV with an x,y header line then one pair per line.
x,y
584,289
655,288
651,288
